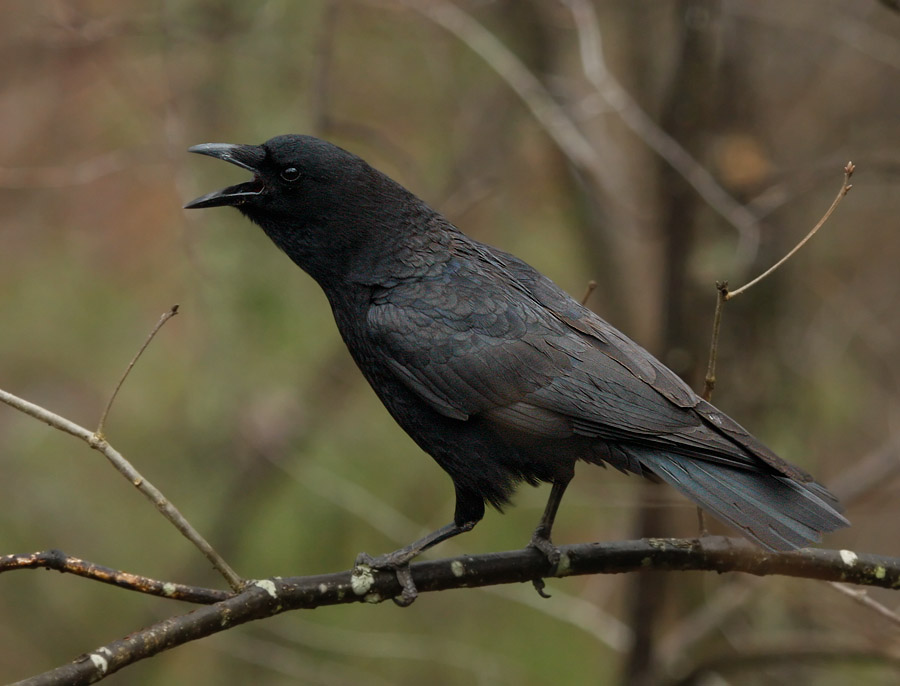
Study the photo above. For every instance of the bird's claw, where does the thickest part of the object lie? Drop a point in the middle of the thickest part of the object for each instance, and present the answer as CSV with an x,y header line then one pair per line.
x,y
539,586
540,542
400,566
409,593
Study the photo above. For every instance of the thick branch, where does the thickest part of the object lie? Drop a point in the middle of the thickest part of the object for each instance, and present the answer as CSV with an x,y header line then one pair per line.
x,y
269,597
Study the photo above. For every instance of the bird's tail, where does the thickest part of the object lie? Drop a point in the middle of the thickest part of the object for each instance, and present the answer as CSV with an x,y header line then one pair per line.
x,y
775,511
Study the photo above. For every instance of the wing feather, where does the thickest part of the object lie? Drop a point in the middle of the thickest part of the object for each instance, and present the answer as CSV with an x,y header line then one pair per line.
x,y
493,337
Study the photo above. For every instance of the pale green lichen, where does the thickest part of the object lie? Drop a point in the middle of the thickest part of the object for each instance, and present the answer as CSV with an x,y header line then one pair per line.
x,y
362,580
268,586
99,661
849,557
457,568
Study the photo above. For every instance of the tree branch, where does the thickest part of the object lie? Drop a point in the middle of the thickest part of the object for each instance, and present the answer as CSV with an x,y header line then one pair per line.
x,y
124,467
172,311
845,188
269,597
59,561
724,295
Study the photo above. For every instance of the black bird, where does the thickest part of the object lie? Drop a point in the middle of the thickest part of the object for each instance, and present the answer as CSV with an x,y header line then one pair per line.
x,y
490,367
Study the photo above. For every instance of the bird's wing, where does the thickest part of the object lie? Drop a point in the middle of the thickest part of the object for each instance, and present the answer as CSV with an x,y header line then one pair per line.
x,y
526,356
460,351
613,344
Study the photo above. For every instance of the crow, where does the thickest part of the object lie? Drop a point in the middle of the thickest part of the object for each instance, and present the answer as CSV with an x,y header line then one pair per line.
x,y
491,368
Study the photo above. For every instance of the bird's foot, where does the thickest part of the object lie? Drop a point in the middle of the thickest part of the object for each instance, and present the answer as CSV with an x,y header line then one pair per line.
x,y
541,541
397,562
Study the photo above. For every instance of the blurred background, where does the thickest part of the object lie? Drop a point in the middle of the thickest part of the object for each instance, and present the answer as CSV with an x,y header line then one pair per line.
x,y
654,146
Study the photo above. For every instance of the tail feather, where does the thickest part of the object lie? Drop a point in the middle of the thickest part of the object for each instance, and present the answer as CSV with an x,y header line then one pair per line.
x,y
775,511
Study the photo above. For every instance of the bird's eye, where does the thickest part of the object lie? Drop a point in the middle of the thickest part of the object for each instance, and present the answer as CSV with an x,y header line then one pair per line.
x,y
290,174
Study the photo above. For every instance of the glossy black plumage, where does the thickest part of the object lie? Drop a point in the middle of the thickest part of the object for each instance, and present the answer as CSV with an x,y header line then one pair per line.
x,y
490,367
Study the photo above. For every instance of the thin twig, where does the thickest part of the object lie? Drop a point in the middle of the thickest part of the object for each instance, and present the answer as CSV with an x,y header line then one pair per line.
x,y
709,384
701,522
863,598
591,287
724,294
162,320
845,188
125,468
60,562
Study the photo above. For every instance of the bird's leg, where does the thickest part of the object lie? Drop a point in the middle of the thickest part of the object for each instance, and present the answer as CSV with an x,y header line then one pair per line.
x,y
398,561
402,556
540,539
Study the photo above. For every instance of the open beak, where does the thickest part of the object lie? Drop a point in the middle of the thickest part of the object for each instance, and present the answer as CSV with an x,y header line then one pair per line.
x,y
249,157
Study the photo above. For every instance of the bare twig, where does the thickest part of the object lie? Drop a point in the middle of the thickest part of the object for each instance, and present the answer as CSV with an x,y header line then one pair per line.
x,y
60,562
591,287
269,597
845,188
724,294
162,320
125,468
709,384
864,599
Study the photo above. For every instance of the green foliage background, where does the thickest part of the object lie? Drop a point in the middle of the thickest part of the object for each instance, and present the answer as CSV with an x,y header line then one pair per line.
x,y
250,416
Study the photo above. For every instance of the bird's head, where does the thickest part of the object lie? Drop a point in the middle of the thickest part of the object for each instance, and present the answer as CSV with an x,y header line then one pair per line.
x,y
316,201
295,176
